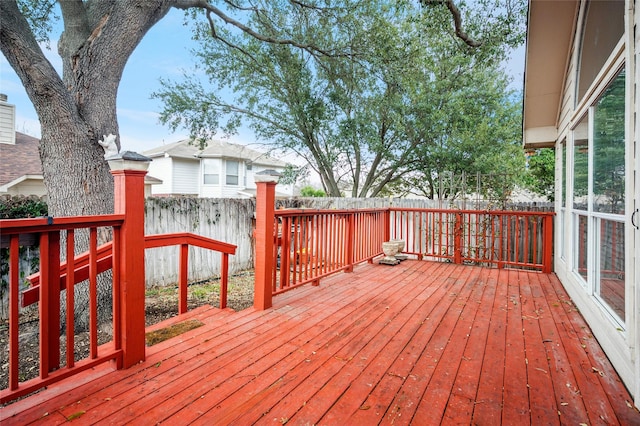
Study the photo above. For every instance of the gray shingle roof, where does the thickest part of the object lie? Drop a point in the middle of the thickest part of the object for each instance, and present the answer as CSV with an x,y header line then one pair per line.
x,y
214,149
20,159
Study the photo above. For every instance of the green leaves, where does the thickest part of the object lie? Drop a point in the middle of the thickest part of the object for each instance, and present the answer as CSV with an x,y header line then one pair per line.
x,y
541,172
385,90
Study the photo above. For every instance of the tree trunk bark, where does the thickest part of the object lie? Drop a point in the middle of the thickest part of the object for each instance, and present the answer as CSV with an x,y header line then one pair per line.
x,y
77,110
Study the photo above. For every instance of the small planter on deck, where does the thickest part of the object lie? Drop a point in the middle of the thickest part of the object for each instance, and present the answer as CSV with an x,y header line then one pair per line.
x,y
400,256
390,249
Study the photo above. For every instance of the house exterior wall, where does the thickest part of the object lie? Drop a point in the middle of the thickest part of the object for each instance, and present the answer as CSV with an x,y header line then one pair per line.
x,y
162,166
7,121
185,176
28,187
619,335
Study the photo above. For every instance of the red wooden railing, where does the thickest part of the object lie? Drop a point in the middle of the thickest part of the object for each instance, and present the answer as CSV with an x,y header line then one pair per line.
x,y
124,256
312,244
184,240
296,247
49,230
500,238
104,258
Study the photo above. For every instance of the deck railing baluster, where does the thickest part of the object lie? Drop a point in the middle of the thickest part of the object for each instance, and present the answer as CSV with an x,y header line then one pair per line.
x,y
14,296
70,299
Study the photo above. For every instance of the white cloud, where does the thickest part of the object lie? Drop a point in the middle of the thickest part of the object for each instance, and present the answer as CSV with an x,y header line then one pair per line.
x,y
138,115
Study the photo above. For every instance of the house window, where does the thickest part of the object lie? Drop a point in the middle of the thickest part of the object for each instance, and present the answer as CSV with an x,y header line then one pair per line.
x,y
608,149
563,200
603,29
211,171
598,191
233,168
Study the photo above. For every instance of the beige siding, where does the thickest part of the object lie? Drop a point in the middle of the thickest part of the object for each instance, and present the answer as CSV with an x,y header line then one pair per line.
x,y
568,97
29,187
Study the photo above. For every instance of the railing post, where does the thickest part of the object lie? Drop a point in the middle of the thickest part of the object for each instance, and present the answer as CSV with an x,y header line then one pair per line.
x,y
183,278
224,280
266,182
49,302
128,170
457,238
547,244
387,225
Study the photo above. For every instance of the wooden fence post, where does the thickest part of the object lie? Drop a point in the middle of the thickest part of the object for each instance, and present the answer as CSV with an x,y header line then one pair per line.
x,y
387,225
266,182
128,170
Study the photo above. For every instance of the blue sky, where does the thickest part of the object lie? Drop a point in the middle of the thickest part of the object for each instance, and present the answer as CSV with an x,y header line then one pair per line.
x,y
164,52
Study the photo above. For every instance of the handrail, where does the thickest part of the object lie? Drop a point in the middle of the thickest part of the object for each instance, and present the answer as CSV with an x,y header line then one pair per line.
x,y
314,243
85,266
184,240
307,211
49,223
163,240
104,257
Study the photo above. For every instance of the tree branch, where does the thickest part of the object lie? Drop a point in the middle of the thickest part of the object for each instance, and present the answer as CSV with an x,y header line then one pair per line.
x,y
39,78
205,5
457,21
76,25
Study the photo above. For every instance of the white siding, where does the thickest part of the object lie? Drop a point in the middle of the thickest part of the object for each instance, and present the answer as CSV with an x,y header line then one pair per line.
x,y
210,191
7,123
186,176
251,183
230,191
568,96
161,168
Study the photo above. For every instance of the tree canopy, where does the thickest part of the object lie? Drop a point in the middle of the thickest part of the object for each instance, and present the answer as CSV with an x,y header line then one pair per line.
x,y
397,100
354,63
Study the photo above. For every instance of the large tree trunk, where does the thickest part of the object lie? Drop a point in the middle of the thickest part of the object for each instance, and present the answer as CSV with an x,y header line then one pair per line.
x,y
75,111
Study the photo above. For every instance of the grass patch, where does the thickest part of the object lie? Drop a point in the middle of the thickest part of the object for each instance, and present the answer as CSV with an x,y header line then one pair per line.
x,y
155,337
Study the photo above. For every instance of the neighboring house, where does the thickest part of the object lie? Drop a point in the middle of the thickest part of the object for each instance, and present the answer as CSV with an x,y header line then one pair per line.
x,y
20,169
221,170
21,172
582,97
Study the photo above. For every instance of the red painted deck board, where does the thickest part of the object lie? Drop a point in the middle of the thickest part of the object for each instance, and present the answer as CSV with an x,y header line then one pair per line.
x,y
416,343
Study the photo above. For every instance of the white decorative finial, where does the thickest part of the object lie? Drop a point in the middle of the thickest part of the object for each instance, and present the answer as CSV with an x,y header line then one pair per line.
x,y
109,145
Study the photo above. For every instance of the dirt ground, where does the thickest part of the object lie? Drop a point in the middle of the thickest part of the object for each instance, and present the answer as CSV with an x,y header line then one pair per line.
x,y
161,304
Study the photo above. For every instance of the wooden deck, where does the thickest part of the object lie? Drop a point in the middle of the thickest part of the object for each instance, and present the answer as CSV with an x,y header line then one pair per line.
x,y
417,343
